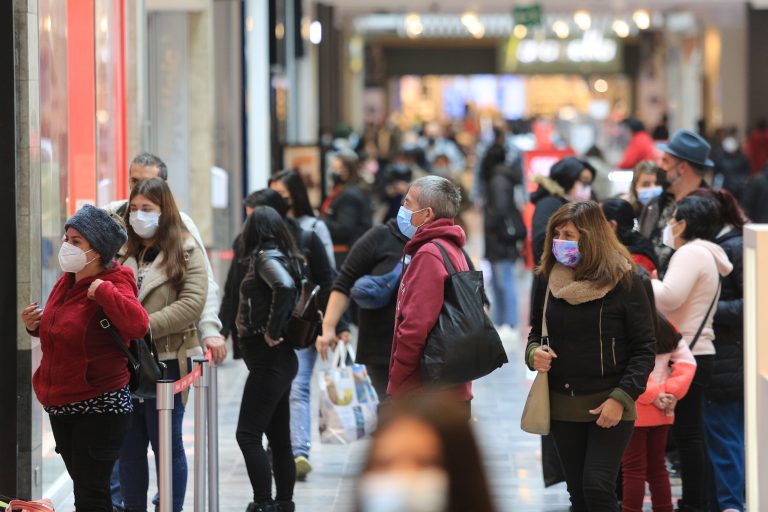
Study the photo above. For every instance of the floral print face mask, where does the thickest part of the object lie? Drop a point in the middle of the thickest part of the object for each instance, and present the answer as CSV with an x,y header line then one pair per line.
x,y
566,252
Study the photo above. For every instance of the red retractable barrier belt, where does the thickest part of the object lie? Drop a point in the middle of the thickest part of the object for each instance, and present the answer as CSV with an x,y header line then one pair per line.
x,y
186,381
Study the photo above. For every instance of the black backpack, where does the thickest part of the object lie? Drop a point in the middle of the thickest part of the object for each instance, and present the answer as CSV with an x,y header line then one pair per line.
x,y
463,345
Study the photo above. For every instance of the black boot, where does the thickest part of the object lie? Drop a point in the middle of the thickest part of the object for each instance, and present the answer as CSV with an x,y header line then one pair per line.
x,y
261,506
285,506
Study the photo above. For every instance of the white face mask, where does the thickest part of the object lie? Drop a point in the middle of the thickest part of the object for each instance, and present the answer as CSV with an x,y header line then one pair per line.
x,y
145,224
668,237
73,259
423,491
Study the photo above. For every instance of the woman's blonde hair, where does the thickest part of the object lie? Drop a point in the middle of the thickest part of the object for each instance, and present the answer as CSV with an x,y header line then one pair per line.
x,y
642,167
604,260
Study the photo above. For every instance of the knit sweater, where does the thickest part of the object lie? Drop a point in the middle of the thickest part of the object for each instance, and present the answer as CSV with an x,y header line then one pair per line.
x,y
688,289
663,380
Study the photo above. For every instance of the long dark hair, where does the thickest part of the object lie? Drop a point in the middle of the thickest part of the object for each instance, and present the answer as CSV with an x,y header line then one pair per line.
x,y
171,232
468,486
293,181
266,224
729,208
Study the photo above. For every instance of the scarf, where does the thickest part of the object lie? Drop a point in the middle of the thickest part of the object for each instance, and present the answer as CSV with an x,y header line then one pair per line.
x,y
564,286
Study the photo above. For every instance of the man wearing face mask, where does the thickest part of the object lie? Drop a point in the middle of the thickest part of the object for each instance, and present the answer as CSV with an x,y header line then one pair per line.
x,y
426,216
143,167
685,160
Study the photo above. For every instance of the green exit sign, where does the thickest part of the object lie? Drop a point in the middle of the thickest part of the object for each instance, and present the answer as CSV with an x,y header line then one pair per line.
x,y
529,16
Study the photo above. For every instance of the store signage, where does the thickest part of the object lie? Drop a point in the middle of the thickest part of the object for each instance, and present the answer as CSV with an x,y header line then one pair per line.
x,y
556,55
529,16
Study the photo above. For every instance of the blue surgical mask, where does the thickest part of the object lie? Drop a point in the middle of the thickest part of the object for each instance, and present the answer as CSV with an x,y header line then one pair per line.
x,y
566,252
647,194
404,221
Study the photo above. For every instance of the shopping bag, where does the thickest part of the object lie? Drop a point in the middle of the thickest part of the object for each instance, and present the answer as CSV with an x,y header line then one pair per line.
x,y
44,505
348,402
535,418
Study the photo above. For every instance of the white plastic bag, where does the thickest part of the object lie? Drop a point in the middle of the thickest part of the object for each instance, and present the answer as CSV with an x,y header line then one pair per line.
x,y
348,402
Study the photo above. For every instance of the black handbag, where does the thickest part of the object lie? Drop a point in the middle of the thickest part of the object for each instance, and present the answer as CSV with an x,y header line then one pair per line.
x,y
143,365
306,321
463,345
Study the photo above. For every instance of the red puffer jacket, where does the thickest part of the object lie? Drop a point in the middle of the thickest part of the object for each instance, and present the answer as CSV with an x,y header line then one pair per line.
x,y
80,359
419,301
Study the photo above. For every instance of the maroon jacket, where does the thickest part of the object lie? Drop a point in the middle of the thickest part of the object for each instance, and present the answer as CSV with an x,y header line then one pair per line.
x,y
419,301
80,359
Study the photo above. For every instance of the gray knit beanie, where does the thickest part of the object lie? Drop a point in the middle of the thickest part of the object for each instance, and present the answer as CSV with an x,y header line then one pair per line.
x,y
104,234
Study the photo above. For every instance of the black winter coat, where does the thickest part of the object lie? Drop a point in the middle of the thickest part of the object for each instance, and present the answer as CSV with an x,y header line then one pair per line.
x,y
602,344
503,223
545,208
727,382
756,198
319,269
267,300
349,215
376,253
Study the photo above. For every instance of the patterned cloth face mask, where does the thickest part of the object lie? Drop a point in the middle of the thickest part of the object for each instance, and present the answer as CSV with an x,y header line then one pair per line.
x,y
566,252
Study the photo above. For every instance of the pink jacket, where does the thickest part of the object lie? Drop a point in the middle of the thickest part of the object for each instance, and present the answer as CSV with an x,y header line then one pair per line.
x,y
663,380
688,289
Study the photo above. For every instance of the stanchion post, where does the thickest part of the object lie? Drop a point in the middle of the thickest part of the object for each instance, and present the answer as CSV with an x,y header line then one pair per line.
x,y
213,439
201,390
165,413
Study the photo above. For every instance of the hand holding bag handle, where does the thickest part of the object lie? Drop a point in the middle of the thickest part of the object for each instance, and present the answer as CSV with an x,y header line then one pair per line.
x,y
535,419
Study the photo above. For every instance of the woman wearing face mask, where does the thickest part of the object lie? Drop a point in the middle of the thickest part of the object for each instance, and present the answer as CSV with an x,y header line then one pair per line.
x,y
347,209
646,185
423,458
570,179
82,381
688,297
291,187
268,294
172,280
600,349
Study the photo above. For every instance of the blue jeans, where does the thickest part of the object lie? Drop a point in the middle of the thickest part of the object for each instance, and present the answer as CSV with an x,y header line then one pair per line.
x,y
301,415
134,470
724,429
114,486
504,306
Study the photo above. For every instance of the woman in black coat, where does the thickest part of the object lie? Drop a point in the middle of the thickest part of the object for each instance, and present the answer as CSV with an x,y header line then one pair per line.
x,y
601,349
724,398
268,294
347,209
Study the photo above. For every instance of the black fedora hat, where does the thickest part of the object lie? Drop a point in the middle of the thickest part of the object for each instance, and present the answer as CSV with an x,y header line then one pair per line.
x,y
689,146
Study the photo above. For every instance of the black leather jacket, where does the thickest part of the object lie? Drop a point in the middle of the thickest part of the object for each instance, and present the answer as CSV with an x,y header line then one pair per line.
x,y
267,294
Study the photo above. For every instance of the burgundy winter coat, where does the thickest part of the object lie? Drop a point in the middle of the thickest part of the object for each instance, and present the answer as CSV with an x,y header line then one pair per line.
x,y
80,359
419,301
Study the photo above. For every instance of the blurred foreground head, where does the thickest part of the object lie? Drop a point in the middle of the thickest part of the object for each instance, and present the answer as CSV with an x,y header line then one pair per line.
x,y
424,458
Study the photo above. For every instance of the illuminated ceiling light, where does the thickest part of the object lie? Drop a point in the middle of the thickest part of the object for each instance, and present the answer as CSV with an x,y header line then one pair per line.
x,y
315,32
469,19
582,19
104,25
413,26
279,31
621,28
47,23
642,19
520,31
305,22
478,31
561,29
601,86
249,24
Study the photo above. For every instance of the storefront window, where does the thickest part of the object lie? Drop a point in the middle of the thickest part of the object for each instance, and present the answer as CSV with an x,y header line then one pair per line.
x,y
54,168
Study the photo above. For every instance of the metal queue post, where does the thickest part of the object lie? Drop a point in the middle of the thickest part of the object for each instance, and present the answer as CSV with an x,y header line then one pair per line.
x,y
164,413
204,379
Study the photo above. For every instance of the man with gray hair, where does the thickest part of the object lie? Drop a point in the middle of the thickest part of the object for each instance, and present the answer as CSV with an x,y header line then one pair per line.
x,y
426,218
